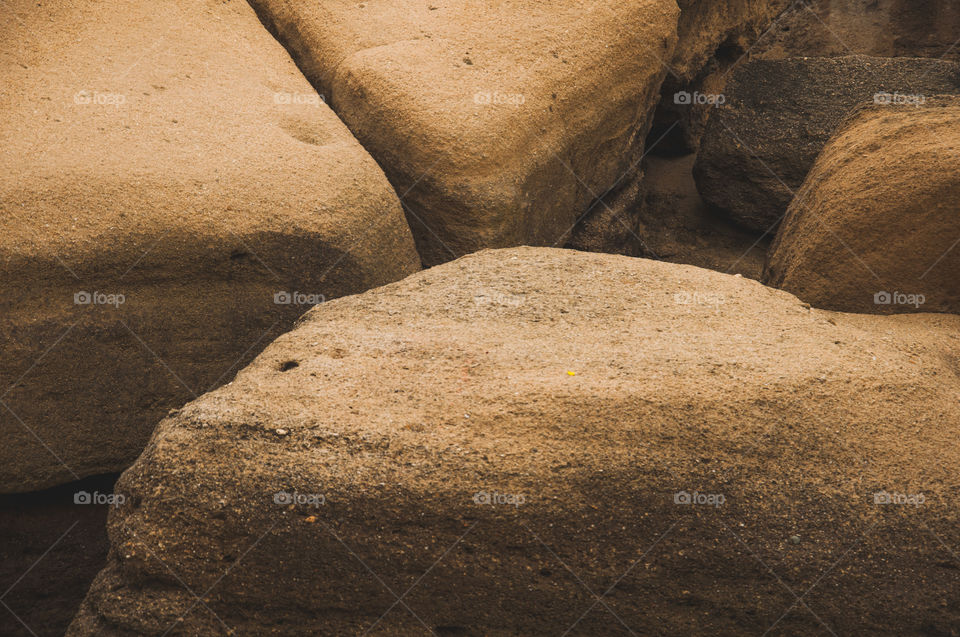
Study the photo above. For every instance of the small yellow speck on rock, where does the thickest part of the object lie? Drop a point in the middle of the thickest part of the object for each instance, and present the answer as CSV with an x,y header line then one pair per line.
x,y
571,373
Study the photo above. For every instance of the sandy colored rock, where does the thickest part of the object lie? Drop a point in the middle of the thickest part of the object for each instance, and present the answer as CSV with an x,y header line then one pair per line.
x,y
778,115
501,123
168,155
494,438
882,28
875,227
498,122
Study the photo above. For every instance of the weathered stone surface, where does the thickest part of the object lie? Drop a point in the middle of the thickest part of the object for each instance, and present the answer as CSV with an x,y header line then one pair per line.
x,y
882,28
170,154
706,25
778,115
498,122
875,227
492,439
712,36
503,123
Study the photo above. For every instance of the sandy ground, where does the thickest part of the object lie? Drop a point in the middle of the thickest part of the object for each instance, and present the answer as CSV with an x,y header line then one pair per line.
x,y
678,227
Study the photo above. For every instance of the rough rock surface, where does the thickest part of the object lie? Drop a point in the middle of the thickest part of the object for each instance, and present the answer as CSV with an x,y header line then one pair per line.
x,y
500,123
173,154
497,122
779,114
706,25
491,440
882,28
878,215
712,36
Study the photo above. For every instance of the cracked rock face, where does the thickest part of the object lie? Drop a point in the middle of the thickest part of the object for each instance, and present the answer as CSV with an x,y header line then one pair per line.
x,y
778,115
713,37
476,448
874,229
706,25
166,172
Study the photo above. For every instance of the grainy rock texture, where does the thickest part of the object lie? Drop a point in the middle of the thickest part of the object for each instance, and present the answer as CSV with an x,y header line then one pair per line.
x,y
500,123
172,157
883,28
493,439
706,25
876,222
779,114
712,36
497,122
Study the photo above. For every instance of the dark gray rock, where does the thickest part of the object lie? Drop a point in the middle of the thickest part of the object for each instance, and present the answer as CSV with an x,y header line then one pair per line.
x,y
778,115
882,28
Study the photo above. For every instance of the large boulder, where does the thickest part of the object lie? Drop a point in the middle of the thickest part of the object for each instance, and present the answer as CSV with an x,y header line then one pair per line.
x,y
166,172
501,123
875,227
779,114
533,441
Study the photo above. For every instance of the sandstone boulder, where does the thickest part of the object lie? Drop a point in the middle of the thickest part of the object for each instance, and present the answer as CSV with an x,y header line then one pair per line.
x,y
498,123
875,227
166,172
778,115
528,441
502,123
